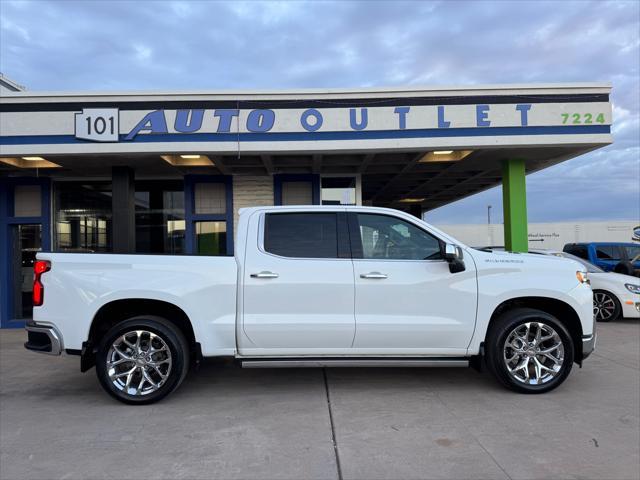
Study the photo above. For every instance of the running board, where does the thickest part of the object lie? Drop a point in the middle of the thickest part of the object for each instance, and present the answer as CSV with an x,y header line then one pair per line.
x,y
354,362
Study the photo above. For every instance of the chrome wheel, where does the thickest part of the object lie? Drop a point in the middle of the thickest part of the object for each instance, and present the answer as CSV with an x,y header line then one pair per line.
x,y
604,307
533,353
138,362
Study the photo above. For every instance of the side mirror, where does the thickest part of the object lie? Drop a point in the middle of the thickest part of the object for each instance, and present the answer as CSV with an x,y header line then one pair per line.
x,y
454,256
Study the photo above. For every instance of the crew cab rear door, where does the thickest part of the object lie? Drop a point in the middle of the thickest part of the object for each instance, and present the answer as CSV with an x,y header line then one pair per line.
x,y
298,287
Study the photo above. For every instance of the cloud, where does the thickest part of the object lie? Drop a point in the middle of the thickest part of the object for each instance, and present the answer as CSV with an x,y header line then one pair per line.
x,y
171,45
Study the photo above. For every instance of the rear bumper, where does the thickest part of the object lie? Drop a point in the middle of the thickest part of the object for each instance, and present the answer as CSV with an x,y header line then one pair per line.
x,y
43,339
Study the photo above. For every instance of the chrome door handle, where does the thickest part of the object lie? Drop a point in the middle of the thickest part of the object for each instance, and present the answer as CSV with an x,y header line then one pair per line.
x,y
377,275
264,275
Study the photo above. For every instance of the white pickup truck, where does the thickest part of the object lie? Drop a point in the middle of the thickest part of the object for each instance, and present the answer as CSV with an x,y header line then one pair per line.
x,y
315,287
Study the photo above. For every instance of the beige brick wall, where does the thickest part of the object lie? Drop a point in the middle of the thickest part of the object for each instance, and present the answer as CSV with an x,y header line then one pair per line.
x,y
251,192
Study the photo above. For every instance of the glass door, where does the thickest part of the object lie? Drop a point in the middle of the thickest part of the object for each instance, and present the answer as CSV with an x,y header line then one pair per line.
x,y
26,242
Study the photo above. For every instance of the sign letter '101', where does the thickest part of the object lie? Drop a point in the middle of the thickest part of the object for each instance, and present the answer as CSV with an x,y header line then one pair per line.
x,y
98,124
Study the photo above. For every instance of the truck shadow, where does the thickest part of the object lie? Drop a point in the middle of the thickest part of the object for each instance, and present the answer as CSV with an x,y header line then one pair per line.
x,y
214,375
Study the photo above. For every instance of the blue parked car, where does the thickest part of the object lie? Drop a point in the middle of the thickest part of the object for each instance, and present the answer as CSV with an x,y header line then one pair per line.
x,y
610,256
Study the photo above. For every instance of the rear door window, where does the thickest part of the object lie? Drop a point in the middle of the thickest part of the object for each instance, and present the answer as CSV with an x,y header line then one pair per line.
x,y
608,252
302,235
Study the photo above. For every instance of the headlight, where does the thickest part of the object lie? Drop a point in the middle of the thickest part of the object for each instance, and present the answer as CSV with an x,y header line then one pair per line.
x,y
633,288
582,277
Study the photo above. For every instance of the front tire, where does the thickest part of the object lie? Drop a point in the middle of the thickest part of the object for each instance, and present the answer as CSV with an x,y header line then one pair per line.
x,y
606,306
142,360
529,351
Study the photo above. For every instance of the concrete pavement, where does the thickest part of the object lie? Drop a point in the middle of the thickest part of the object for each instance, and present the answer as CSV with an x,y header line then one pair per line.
x,y
225,422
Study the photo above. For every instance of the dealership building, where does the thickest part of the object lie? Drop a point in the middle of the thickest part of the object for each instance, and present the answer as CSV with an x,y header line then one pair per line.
x,y
167,172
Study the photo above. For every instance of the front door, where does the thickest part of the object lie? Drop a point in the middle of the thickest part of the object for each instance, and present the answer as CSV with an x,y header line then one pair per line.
x,y
298,295
407,300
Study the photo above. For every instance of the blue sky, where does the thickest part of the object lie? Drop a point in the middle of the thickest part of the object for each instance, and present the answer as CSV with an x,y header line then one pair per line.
x,y
116,45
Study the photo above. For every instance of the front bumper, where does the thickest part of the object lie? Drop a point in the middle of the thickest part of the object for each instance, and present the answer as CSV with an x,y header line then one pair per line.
x,y
588,344
43,339
630,306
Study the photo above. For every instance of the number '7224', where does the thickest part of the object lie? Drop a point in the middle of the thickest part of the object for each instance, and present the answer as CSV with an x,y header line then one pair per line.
x,y
582,118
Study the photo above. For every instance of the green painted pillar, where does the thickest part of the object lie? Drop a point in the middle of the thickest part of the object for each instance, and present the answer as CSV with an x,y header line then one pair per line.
x,y
514,204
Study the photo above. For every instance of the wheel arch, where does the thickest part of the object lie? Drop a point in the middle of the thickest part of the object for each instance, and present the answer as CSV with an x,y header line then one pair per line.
x,y
559,309
117,311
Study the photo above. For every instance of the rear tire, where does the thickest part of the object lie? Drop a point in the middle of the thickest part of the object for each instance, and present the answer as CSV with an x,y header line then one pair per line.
x,y
142,360
529,351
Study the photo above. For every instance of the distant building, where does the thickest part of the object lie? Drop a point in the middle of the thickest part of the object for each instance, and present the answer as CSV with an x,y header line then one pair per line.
x,y
550,236
167,172
7,85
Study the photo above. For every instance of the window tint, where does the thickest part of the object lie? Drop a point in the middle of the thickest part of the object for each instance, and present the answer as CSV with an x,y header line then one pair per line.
x,y
301,235
578,250
608,252
385,237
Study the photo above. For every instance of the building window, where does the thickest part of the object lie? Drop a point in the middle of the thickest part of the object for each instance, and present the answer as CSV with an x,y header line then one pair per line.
x,y
297,193
82,216
160,217
210,199
339,191
209,215
27,201
296,189
26,243
211,238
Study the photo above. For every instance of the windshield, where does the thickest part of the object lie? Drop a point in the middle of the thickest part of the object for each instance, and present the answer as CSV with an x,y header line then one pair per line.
x,y
591,268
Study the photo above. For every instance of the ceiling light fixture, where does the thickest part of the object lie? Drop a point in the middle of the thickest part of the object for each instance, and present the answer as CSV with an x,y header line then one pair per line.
x,y
188,160
440,156
28,162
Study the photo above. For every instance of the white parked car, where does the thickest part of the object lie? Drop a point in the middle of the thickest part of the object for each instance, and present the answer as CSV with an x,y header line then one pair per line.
x,y
614,294
312,287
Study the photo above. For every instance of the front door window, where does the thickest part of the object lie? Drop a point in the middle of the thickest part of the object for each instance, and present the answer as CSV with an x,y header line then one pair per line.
x,y
389,238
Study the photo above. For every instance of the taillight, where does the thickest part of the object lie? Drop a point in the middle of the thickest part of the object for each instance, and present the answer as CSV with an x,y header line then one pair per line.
x,y
39,268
